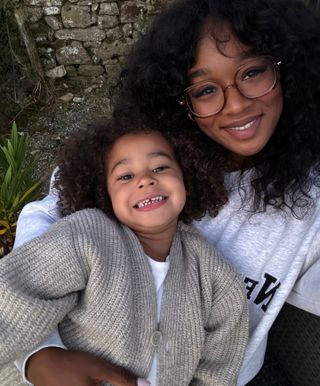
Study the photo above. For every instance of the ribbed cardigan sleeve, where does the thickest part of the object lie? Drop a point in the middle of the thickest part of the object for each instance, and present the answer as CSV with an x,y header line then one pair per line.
x,y
39,285
227,327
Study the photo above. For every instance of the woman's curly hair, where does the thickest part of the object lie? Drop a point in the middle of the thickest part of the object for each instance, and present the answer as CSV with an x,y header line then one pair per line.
x,y
155,76
81,176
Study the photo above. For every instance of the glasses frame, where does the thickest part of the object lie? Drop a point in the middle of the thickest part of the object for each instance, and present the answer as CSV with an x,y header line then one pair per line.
x,y
183,99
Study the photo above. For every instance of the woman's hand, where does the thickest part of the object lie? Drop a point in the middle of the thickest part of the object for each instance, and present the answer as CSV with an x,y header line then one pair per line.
x,y
54,366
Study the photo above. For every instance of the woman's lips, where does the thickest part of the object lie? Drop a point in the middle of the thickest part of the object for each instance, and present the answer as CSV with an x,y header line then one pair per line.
x,y
245,129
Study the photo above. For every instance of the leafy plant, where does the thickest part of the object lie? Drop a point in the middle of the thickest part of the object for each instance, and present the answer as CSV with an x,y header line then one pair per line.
x,y
17,186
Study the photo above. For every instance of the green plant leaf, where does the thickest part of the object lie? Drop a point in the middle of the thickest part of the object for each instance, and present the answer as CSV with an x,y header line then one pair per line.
x,y
17,186
25,195
4,223
14,135
7,178
9,156
15,201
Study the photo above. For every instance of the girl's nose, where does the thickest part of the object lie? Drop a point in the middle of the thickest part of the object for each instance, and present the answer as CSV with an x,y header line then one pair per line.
x,y
146,181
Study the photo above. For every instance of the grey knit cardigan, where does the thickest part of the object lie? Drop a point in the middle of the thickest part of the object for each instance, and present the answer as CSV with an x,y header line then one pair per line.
x,y
90,275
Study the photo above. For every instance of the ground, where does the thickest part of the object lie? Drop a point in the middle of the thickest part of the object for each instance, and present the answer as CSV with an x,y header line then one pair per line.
x,y
51,123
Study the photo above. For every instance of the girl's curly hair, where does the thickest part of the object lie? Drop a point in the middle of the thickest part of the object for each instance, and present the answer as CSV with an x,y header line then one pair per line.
x,y
81,176
155,76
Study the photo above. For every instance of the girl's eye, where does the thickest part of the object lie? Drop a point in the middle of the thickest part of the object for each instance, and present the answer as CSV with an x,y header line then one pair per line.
x,y
204,90
254,72
159,169
125,177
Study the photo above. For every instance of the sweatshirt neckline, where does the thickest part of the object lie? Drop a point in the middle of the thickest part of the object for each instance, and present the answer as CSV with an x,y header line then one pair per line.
x,y
238,179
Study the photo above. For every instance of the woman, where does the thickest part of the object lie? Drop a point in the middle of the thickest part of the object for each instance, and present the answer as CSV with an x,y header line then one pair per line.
x,y
237,82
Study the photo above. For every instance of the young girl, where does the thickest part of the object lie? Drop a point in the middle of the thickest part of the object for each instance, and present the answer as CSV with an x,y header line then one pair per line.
x,y
127,281
236,82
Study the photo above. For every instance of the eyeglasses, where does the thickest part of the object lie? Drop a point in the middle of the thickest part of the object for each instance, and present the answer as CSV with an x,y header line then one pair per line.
x,y
254,79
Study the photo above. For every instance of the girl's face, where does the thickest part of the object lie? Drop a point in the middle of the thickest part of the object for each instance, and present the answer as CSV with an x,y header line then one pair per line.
x,y
243,126
145,182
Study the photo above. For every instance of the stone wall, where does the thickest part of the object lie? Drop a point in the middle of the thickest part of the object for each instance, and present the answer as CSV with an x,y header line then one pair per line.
x,y
76,39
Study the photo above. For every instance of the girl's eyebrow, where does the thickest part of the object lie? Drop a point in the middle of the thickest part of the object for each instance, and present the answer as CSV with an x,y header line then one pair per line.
x,y
118,163
153,154
160,154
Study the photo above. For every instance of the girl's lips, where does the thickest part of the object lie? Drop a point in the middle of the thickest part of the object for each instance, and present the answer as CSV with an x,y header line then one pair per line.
x,y
244,129
151,203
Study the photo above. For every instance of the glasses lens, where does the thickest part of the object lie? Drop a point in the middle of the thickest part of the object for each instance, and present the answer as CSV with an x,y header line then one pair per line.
x,y
204,98
256,78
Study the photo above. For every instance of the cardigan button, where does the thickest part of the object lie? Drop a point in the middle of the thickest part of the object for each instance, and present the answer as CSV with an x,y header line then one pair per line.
x,y
156,338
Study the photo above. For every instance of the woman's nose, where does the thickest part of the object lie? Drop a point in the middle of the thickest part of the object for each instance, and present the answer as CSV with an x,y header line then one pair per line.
x,y
235,102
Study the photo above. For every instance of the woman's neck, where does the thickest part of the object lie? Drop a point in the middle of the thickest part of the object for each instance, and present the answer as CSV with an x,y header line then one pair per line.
x,y
239,162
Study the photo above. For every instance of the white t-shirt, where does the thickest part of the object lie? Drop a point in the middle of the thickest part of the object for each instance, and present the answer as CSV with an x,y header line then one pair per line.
x,y
277,255
159,272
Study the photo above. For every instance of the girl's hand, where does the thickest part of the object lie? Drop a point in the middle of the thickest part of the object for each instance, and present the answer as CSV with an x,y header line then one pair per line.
x,y
54,366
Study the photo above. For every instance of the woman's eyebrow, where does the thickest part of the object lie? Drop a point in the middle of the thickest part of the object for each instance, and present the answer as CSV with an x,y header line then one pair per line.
x,y
203,71
196,73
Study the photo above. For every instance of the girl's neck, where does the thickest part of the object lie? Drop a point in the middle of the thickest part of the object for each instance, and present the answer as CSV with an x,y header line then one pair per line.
x,y
157,245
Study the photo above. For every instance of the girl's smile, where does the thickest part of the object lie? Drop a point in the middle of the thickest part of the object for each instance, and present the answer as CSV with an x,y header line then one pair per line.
x,y
145,183
150,203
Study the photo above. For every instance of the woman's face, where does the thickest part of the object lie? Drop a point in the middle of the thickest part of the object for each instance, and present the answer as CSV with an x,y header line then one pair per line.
x,y
243,126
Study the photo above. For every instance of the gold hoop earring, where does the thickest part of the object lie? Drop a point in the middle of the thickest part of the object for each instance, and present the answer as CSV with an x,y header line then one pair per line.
x,y
191,116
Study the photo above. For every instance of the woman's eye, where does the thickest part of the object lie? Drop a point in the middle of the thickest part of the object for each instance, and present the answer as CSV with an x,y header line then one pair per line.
x,y
159,169
125,177
204,90
253,72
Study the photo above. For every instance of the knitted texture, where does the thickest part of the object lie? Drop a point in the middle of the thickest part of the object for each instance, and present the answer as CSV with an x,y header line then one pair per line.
x,y
91,275
10,376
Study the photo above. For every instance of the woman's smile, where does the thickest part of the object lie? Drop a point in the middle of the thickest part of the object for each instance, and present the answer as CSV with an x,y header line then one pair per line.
x,y
244,125
244,129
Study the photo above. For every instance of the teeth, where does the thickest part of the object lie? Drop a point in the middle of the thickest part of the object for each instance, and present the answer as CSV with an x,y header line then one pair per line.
x,y
244,127
150,201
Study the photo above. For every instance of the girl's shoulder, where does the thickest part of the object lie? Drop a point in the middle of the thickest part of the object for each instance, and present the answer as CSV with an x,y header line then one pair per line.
x,y
214,271
88,223
192,240
88,216
201,251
